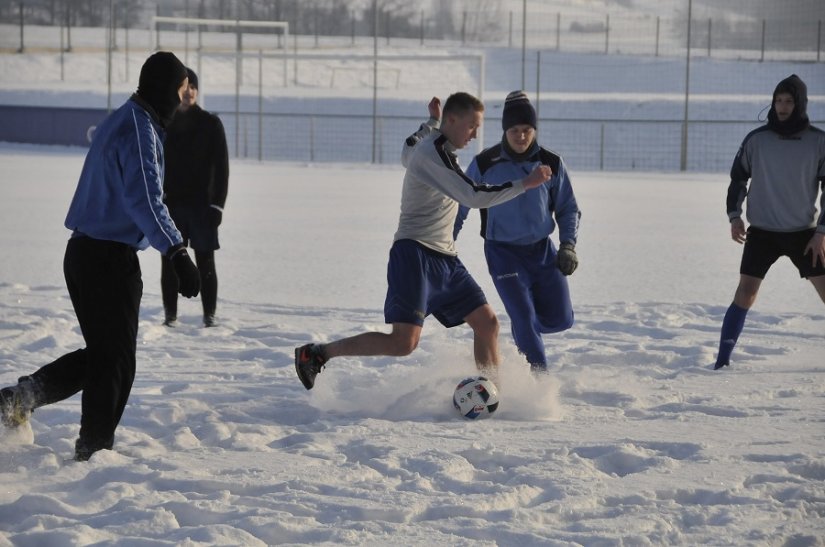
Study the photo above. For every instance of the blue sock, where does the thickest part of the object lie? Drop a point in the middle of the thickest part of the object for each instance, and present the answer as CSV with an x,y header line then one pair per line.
x,y
732,327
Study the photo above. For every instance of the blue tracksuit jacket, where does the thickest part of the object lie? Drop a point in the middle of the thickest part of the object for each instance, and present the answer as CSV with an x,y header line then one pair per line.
x,y
527,218
119,194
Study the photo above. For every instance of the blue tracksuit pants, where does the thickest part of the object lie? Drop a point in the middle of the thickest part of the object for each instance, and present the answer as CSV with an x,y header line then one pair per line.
x,y
534,292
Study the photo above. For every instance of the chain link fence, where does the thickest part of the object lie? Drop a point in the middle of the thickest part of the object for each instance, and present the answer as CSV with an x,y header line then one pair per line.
x,y
616,89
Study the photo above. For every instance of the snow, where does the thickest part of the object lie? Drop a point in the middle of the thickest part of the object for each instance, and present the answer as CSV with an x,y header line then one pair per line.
x,y
631,440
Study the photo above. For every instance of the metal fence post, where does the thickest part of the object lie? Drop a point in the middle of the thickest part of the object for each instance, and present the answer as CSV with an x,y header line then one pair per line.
x,y
186,34
312,138
110,38
709,28
683,158
68,26
62,55
523,42
762,57
157,28
657,36
607,34
21,48
538,82
375,77
126,38
558,31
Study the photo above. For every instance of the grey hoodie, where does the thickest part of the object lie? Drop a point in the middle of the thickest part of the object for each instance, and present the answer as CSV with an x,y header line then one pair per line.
x,y
786,174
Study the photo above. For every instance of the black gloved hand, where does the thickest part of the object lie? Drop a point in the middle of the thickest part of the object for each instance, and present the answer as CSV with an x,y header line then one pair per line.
x,y
215,216
566,260
189,279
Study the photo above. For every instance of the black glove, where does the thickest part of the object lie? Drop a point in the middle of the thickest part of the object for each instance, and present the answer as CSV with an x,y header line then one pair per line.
x,y
566,260
215,216
189,279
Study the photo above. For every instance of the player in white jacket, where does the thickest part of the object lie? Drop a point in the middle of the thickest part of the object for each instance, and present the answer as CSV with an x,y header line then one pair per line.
x,y
424,273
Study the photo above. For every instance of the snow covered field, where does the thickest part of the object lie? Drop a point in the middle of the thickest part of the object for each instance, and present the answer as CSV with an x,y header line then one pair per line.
x,y
633,440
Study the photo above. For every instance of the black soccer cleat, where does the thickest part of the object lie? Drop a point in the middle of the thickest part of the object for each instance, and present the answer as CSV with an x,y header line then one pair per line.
x,y
309,360
17,403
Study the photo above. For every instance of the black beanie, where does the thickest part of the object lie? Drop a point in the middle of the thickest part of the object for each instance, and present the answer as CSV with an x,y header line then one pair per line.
x,y
160,78
798,120
518,110
193,78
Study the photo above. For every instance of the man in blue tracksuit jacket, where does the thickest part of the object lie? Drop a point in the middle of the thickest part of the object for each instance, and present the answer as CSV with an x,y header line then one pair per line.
x,y
117,209
528,272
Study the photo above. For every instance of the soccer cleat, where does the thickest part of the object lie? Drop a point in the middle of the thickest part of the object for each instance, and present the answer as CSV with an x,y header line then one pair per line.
x,y
309,360
83,449
539,369
17,403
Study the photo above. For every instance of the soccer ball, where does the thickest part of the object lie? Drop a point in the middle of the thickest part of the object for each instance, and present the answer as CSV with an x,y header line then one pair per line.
x,y
475,397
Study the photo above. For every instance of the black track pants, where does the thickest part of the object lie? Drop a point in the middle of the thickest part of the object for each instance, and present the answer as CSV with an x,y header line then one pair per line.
x,y
105,286
205,261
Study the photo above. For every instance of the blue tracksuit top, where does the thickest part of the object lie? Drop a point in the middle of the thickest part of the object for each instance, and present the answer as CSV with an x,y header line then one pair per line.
x,y
527,218
119,194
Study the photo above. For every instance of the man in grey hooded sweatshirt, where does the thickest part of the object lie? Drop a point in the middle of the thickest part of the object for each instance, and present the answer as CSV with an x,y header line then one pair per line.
x,y
785,163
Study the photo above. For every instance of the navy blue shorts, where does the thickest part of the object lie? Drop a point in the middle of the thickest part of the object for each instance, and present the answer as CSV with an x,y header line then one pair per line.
x,y
763,248
423,282
195,226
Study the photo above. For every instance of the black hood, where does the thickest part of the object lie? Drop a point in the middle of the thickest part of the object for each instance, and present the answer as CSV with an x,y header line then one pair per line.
x,y
798,120
160,78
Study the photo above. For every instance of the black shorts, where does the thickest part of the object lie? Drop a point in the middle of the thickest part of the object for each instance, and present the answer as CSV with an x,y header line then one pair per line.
x,y
763,248
195,226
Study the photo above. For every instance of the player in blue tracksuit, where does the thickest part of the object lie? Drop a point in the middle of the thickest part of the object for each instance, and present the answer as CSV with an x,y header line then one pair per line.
x,y
527,270
117,209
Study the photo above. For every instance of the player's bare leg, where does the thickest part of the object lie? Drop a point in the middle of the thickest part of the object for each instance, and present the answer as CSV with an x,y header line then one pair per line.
x,y
485,327
310,359
746,291
400,342
819,284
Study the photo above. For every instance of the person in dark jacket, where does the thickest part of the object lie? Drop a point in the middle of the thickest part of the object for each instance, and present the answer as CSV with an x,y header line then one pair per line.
x,y
785,163
195,187
117,210
528,271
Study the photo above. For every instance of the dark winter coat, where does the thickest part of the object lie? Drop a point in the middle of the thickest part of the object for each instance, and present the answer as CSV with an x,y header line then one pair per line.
x,y
197,160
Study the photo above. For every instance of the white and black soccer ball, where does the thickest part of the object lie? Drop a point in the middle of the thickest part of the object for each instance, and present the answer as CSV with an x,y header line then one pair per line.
x,y
475,397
